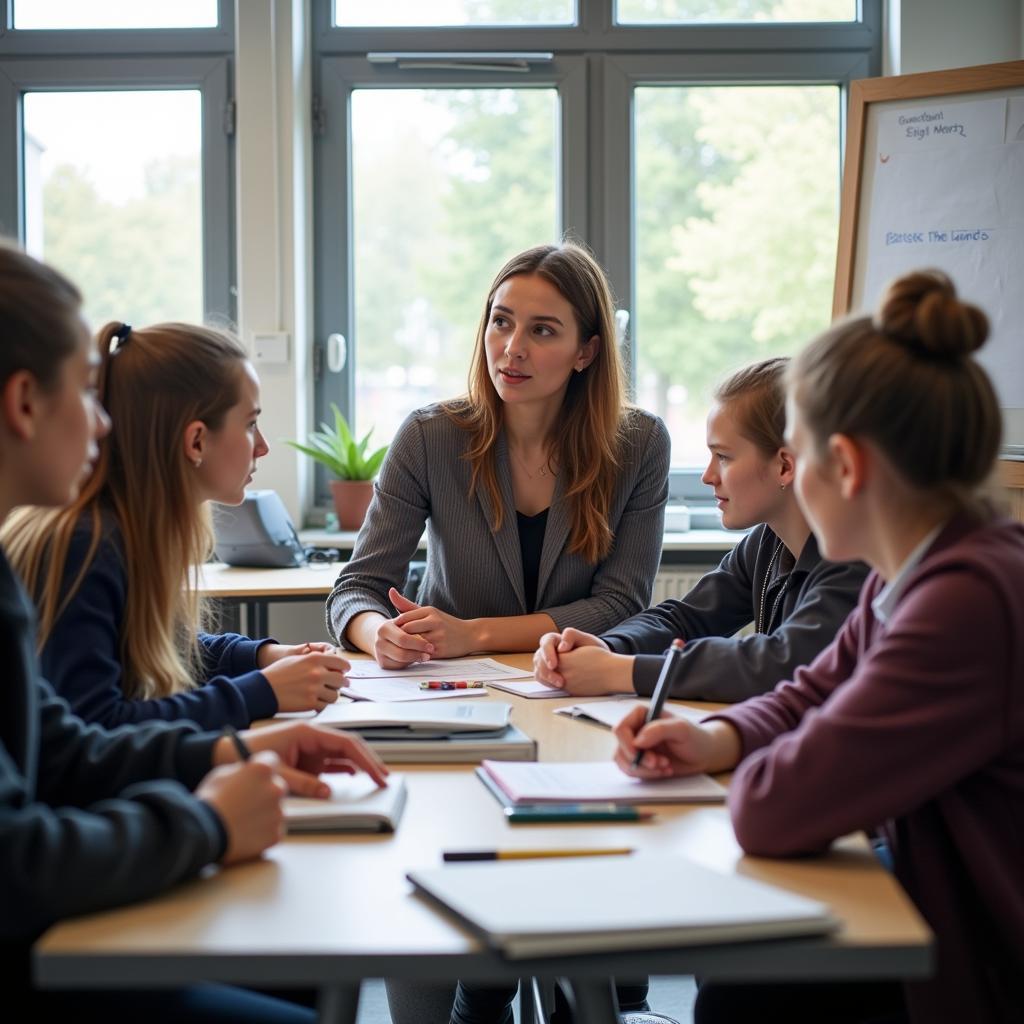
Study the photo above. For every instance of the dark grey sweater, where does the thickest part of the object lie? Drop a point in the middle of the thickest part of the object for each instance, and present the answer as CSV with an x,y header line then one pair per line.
x,y
804,606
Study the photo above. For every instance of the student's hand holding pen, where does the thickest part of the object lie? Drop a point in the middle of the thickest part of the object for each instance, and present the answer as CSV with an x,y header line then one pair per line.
x,y
247,798
303,751
581,664
674,746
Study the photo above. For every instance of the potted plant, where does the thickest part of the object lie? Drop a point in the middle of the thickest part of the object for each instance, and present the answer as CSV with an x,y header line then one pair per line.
x,y
346,458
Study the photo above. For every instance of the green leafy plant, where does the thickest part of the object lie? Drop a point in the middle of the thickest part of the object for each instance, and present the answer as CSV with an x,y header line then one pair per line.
x,y
340,452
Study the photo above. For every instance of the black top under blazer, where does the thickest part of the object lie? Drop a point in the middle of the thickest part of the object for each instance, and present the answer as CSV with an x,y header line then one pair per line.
x,y
473,572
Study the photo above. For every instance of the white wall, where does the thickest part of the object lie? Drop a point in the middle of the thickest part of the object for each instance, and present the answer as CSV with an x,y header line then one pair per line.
x,y
273,205
933,35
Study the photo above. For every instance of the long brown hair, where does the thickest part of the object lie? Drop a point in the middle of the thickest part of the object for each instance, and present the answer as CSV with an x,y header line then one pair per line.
x,y
588,438
153,383
40,317
906,379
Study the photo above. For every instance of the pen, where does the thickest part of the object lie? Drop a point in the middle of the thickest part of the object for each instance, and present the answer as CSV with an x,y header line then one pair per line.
x,y
664,684
244,753
451,684
461,855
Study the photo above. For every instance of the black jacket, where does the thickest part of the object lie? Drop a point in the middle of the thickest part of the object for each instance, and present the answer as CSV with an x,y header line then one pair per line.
x,y
804,606
89,818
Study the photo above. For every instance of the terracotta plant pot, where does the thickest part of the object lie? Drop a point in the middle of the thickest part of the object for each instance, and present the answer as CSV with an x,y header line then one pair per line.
x,y
351,500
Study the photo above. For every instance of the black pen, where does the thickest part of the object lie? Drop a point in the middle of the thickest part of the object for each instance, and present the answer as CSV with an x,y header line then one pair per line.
x,y
664,684
244,753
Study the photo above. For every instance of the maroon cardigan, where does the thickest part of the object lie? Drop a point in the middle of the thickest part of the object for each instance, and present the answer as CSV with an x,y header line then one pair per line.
x,y
915,728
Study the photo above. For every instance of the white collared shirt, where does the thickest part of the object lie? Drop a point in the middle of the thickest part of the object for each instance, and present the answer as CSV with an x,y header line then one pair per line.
x,y
889,596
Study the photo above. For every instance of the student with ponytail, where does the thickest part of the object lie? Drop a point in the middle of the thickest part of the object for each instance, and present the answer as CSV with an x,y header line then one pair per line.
x,y
912,722
114,574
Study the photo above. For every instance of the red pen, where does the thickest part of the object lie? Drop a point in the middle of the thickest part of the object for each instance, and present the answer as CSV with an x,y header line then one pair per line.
x,y
451,684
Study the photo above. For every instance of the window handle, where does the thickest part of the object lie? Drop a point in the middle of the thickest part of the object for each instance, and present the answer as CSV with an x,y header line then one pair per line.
x,y
458,61
337,352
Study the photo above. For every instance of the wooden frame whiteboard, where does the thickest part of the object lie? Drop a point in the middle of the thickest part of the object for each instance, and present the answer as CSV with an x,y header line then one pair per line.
x,y
869,99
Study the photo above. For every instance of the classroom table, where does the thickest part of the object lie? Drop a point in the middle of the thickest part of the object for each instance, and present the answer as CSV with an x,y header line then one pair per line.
x,y
327,911
256,589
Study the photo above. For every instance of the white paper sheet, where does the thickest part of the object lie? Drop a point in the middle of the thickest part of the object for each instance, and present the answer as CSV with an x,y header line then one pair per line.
x,y
441,668
945,192
612,711
526,688
401,689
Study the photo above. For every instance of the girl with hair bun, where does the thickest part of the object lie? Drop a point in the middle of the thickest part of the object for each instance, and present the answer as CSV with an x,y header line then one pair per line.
x,y
114,574
917,730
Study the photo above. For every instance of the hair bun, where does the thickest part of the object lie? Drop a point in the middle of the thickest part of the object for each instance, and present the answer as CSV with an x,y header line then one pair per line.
x,y
921,311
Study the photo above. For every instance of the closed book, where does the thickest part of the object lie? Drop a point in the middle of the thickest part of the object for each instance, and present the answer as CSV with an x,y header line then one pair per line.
x,y
356,804
399,719
575,905
509,744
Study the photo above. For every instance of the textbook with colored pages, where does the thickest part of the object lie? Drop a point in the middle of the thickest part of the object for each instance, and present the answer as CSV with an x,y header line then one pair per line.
x,y
598,781
547,907
446,733
356,804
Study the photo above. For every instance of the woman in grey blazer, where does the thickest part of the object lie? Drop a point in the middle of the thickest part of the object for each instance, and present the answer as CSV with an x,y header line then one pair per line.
x,y
542,492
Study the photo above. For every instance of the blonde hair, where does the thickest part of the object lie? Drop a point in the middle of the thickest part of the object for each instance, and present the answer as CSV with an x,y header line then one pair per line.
x,y
588,437
757,396
153,383
906,380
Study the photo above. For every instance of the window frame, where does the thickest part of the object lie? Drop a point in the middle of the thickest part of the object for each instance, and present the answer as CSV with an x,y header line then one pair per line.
x,y
73,60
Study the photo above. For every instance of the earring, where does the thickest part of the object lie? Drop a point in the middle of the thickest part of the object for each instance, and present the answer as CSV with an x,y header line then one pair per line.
x,y
197,463
782,487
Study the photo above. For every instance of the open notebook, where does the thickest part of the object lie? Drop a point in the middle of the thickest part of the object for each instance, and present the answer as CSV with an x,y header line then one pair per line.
x,y
356,804
604,904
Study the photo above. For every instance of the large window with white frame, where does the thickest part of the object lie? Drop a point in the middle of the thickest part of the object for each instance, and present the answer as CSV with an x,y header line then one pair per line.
x,y
115,138
694,146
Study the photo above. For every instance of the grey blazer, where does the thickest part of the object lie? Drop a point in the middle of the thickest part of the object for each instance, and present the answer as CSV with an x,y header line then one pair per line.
x,y
471,571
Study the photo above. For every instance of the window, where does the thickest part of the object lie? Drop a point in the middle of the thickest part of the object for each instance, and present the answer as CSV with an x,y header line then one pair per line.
x,y
116,152
695,147
51,15
124,221
736,211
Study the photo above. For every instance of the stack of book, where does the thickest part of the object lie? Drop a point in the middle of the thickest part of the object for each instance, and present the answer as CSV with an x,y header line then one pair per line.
x,y
448,732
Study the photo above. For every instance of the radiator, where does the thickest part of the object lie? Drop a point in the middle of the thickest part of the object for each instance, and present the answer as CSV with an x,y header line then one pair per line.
x,y
675,582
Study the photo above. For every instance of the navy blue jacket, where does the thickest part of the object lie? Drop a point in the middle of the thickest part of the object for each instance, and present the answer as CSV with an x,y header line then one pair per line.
x,y
89,818
82,656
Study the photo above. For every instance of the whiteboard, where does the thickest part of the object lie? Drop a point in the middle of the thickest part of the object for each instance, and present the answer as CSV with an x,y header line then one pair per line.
x,y
935,178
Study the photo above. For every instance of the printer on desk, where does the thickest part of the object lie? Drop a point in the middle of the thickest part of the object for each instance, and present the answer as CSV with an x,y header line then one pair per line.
x,y
259,532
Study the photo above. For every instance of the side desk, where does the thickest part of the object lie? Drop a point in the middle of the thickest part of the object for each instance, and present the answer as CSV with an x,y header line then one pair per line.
x,y
254,590
327,911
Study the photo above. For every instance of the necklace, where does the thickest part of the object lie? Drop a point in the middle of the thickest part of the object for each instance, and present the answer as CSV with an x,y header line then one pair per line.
x,y
761,624
542,470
